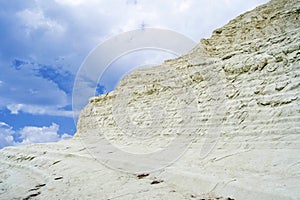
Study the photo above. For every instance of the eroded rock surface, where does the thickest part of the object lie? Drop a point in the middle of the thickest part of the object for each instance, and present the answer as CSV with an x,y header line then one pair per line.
x,y
239,93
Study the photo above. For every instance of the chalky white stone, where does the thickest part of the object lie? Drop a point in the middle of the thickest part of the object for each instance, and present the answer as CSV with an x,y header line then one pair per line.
x,y
252,106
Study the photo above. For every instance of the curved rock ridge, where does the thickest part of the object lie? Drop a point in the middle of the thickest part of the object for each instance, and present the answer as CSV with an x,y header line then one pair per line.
x,y
238,93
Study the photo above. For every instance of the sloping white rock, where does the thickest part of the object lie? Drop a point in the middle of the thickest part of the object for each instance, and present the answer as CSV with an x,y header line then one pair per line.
x,y
237,91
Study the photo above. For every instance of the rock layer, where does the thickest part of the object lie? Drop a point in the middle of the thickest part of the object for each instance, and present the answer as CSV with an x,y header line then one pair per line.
x,y
244,120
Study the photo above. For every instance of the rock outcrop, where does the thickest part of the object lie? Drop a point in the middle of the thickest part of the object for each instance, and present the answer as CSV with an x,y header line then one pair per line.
x,y
234,98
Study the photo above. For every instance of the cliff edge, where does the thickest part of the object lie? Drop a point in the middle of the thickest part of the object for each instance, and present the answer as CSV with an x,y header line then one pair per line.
x,y
233,101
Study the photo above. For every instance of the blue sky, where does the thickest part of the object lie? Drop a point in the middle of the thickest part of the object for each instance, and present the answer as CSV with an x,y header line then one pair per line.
x,y
44,42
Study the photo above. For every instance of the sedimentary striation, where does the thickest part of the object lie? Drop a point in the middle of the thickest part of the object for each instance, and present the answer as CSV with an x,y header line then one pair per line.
x,y
237,91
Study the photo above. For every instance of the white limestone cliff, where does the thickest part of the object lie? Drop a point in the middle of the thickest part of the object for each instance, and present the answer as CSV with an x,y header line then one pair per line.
x,y
243,87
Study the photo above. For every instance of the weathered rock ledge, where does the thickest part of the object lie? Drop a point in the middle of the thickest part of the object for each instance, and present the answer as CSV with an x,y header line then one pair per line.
x,y
245,82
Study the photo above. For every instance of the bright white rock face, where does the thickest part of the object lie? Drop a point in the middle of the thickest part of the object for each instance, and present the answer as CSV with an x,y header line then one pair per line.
x,y
237,91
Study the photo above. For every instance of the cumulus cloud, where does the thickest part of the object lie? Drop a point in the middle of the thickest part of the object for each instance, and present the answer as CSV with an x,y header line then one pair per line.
x,y
6,135
35,19
29,135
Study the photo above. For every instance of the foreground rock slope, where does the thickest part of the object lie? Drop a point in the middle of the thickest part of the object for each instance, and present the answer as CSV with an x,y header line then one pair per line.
x,y
244,81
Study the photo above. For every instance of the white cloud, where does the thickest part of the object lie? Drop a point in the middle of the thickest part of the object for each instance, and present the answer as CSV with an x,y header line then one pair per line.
x,y
71,2
3,124
14,108
66,136
185,5
35,19
33,134
38,110
6,135
30,134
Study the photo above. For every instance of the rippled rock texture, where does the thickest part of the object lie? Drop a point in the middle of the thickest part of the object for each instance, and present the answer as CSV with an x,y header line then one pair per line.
x,y
234,98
